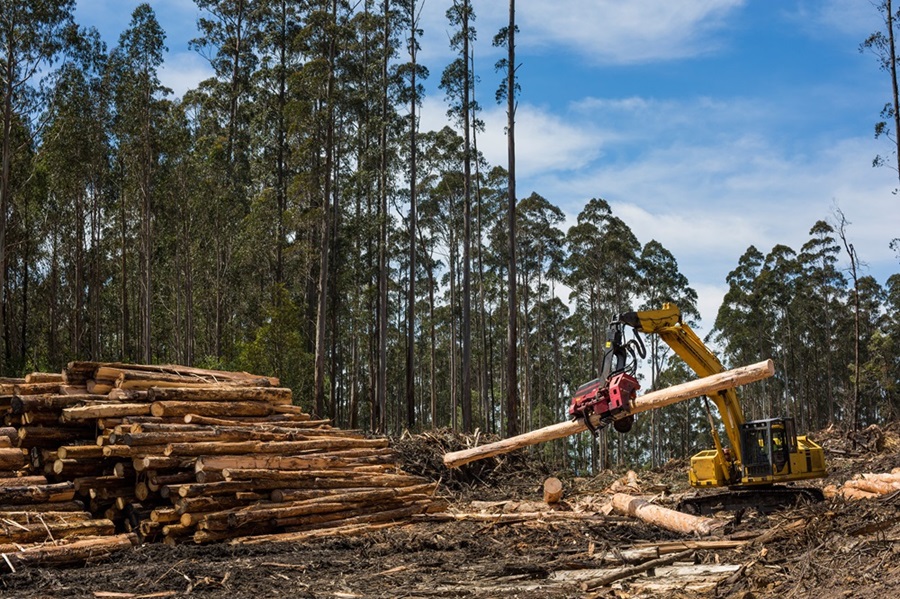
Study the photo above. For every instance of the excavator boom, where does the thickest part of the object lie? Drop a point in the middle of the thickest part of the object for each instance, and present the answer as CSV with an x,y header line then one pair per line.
x,y
760,453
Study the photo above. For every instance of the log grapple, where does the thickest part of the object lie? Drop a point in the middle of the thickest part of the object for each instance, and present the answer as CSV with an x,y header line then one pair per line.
x,y
610,395
607,399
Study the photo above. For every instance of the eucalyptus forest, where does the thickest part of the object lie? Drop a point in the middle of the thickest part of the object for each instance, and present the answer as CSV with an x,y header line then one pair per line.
x,y
289,217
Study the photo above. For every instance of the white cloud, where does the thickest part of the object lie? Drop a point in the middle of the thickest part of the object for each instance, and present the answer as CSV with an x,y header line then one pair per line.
x,y
611,31
825,17
183,71
600,31
553,143
708,179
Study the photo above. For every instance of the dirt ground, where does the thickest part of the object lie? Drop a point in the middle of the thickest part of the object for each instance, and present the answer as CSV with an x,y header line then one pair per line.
x,y
837,548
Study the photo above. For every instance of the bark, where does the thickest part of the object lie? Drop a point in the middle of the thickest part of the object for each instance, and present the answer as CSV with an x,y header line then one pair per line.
x,y
21,404
273,395
48,493
46,436
105,411
75,552
71,468
170,409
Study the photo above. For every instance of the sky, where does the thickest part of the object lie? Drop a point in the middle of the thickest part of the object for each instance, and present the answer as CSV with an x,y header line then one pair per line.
x,y
708,125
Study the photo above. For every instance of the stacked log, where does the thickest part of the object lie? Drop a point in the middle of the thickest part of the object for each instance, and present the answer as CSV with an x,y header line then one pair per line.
x,y
867,485
178,454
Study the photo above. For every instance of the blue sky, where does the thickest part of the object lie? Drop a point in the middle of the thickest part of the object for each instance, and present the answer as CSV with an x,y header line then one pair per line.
x,y
709,125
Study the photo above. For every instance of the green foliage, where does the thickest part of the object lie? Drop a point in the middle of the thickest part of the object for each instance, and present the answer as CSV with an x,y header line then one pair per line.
x,y
277,348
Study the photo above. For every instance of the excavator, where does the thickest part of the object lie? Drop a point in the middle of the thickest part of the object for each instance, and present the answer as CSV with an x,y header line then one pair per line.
x,y
764,458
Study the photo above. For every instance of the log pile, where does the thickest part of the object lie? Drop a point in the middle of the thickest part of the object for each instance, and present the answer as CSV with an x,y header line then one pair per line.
x,y
178,454
867,485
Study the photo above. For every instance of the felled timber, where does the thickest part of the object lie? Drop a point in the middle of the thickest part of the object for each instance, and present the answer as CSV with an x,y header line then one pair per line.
x,y
272,395
152,447
43,530
105,410
12,458
663,517
649,401
71,553
46,493
174,409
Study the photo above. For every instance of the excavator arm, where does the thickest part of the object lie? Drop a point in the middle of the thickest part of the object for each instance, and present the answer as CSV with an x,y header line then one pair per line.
x,y
667,324
760,453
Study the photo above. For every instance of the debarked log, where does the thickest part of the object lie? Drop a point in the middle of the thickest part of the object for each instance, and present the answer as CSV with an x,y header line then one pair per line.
x,y
649,401
664,517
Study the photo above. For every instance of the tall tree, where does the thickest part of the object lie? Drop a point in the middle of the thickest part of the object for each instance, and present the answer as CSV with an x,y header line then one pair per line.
x,y
882,44
77,169
414,97
509,91
140,110
818,258
457,82
229,35
31,35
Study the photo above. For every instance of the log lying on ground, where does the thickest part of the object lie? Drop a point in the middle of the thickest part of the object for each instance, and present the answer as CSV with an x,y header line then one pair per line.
x,y
40,530
867,485
649,401
664,517
72,553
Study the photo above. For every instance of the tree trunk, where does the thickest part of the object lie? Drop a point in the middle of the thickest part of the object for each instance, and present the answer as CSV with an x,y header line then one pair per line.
x,y
467,236
512,381
411,297
325,247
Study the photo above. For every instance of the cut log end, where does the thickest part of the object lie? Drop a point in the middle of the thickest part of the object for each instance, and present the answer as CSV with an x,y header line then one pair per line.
x,y
553,490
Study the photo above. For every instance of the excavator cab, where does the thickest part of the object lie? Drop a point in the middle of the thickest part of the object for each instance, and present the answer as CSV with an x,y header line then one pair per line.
x,y
766,447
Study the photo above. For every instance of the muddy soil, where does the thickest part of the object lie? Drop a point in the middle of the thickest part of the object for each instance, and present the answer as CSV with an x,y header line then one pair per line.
x,y
839,549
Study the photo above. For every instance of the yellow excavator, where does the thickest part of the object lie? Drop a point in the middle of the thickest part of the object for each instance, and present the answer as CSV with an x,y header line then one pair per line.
x,y
764,457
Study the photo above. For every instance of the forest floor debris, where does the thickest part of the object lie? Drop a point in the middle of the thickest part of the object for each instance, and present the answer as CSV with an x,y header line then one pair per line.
x,y
500,539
